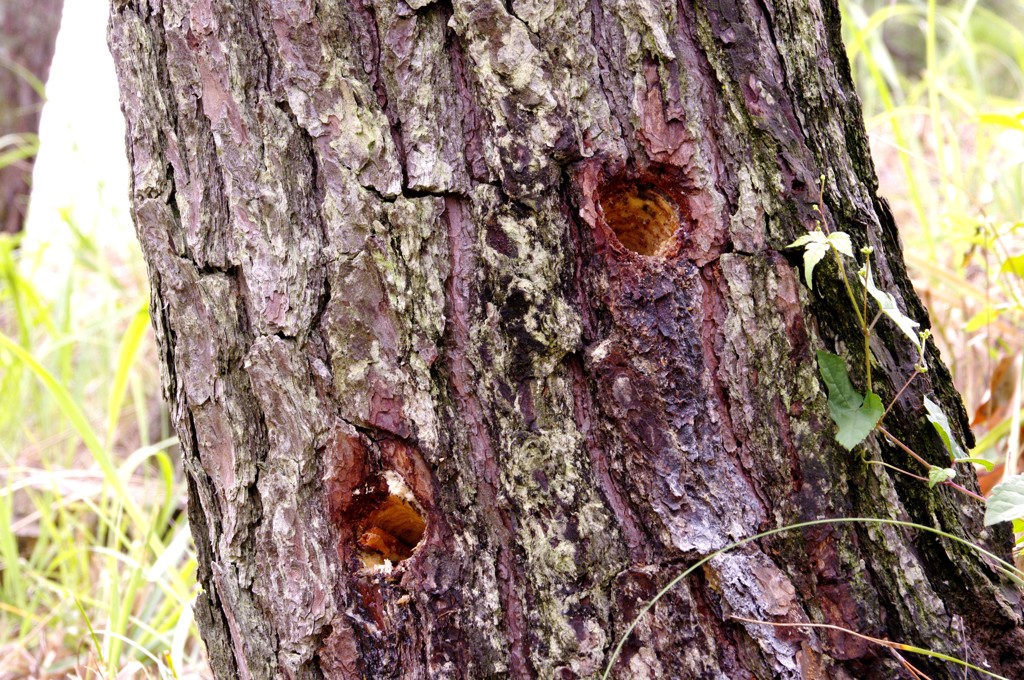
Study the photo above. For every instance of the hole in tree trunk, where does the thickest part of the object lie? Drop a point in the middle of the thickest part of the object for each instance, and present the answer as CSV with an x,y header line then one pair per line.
x,y
393,530
644,218
391,526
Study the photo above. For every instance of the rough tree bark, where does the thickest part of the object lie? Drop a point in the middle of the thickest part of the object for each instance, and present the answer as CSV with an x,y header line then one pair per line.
x,y
28,33
477,328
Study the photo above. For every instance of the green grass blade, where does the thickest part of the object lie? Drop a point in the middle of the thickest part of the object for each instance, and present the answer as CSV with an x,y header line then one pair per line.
x,y
81,425
126,354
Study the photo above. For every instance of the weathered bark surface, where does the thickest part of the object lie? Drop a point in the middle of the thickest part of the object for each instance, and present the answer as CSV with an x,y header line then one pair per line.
x,y
386,284
28,33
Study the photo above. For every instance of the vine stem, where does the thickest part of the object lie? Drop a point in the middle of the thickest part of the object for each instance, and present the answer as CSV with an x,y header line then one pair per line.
x,y
878,641
861,319
861,316
909,451
849,288
928,465
899,394
964,490
878,315
1004,566
868,327
897,469
867,355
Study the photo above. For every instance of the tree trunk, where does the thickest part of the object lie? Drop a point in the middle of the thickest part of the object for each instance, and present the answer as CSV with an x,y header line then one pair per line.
x,y
478,327
28,33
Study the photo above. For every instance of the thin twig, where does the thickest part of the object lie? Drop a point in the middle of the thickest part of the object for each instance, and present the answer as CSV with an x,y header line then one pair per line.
x,y
878,315
928,465
918,675
909,451
879,641
897,469
900,393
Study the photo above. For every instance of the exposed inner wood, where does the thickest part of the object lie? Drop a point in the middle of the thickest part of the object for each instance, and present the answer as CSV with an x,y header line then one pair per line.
x,y
642,217
393,530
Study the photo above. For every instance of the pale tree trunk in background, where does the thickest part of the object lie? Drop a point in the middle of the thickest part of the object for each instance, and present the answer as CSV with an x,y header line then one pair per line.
x,y
28,33
387,289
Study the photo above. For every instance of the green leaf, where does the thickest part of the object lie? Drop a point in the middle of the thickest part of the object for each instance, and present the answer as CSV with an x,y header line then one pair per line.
x,y
126,353
987,315
813,254
1013,265
938,419
1006,502
1004,120
887,303
809,237
840,240
837,380
937,475
816,245
987,464
855,415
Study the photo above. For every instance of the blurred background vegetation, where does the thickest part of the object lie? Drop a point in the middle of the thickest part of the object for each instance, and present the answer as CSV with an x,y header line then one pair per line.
x,y
96,562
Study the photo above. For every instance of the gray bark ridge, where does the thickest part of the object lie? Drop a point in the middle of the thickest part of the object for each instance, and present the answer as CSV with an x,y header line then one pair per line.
x,y
477,327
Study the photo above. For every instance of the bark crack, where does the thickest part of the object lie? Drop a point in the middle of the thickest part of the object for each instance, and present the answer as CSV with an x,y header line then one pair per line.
x,y
769,21
603,62
475,165
365,7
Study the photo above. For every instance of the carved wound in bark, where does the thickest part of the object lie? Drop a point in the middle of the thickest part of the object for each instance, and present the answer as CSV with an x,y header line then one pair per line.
x,y
392,528
642,215
378,517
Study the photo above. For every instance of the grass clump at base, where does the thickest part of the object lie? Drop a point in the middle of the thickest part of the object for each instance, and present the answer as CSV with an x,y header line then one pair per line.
x,y
96,560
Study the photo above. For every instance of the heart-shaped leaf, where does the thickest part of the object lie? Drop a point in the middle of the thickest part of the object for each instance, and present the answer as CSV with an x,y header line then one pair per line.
x,y
855,415
1006,503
